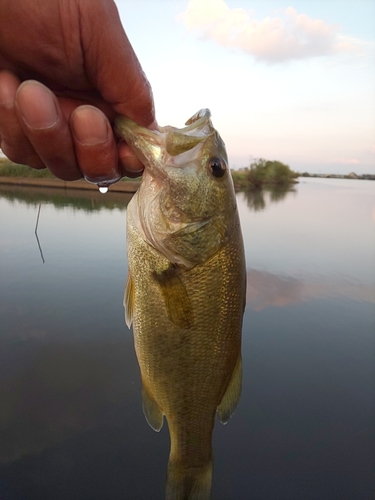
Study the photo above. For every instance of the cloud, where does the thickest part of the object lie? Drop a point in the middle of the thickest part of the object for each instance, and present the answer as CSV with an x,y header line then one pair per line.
x,y
277,39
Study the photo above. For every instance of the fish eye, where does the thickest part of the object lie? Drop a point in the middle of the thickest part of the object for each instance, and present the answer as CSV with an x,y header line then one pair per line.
x,y
217,166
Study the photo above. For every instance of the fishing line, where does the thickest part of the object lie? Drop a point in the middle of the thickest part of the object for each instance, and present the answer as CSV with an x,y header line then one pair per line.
x,y
36,233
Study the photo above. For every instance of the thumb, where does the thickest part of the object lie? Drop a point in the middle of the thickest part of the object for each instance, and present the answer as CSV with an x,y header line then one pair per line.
x,y
111,63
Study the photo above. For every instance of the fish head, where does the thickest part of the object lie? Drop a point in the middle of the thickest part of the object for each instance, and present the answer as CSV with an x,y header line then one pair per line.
x,y
187,199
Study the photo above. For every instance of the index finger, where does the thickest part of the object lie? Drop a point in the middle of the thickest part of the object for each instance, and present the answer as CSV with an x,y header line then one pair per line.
x,y
112,64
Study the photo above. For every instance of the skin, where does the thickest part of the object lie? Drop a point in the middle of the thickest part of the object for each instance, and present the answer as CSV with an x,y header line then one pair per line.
x,y
66,69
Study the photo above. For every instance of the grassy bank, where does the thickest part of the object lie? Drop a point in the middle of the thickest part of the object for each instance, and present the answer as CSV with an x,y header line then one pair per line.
x,y
12,174
10,169
262,173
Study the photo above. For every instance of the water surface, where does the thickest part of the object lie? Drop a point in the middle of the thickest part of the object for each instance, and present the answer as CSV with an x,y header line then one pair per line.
x,y
71,422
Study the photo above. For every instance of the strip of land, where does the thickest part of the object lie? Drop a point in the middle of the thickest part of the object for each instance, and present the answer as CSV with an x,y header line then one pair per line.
x,y
119,187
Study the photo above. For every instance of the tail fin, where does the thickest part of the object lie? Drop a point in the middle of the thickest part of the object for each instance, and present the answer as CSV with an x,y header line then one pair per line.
x,y
189,483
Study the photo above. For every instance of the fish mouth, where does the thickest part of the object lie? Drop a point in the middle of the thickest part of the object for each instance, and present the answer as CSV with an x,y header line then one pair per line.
x,y
199,122
145,143
155,146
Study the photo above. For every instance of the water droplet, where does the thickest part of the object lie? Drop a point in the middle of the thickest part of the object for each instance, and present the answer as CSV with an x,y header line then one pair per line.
x,y
103,189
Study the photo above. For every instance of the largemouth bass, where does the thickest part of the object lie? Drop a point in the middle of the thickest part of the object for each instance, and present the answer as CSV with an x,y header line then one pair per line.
x,y
185,293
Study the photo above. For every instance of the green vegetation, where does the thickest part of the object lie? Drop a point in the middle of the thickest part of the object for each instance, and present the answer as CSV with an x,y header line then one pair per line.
x,y
263,173
10,169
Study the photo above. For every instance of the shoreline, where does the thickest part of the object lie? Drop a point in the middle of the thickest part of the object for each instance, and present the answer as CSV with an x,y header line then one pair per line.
x,y
81,184
129,187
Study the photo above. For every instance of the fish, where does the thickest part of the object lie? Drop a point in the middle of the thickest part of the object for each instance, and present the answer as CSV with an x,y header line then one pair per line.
x,y
186,291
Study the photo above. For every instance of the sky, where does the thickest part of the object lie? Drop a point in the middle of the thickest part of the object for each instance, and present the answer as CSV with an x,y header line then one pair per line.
x,y
290,81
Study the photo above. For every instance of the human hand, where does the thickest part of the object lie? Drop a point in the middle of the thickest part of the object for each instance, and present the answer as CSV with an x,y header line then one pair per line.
x,y
66,69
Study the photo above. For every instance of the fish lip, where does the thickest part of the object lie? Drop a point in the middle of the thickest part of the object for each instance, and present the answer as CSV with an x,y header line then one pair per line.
x,y
163,148
127,129
197,123
147,145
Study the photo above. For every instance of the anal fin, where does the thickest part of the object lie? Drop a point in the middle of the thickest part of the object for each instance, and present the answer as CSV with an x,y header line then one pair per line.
x,y
151,410
232,395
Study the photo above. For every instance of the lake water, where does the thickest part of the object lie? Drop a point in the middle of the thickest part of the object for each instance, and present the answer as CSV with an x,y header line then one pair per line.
x,y
71,422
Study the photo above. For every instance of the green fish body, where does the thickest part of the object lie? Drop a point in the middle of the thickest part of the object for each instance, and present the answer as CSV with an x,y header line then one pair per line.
x,y
185,293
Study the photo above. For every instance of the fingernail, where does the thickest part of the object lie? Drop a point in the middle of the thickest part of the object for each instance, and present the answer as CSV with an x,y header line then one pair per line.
x,y
90,126
37,105
131,166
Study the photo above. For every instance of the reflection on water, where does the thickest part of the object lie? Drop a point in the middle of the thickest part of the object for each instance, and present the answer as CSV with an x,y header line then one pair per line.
x,y
71,422
270,290
82,200
258,199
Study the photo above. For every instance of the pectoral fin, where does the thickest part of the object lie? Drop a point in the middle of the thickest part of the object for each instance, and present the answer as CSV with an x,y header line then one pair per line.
x,y
151,411
232,395
129,300
176,298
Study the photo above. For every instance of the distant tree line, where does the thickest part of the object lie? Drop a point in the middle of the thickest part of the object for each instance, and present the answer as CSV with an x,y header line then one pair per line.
x,y
261,173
